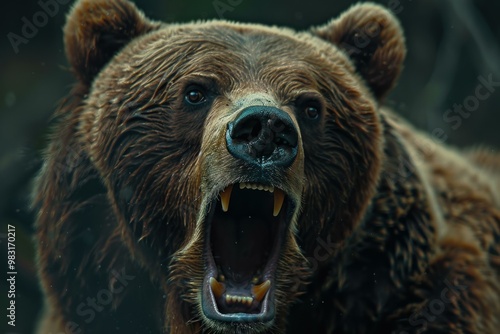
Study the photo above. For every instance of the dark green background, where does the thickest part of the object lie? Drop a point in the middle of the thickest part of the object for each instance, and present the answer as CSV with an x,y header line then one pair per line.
x,y
450,44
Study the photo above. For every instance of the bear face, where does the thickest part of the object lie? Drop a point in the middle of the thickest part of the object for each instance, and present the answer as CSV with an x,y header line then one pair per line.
x,y
201,113
213,155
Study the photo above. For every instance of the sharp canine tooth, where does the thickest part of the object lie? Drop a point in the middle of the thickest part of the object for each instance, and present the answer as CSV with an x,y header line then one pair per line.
x,y
228,299
225,197
279,197
259,291
217,288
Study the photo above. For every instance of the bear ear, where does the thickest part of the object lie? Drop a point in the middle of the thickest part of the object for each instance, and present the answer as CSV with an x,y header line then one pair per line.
x,y
372,38
97,29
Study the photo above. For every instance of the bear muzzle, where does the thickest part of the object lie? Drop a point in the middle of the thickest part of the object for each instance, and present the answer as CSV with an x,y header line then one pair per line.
x,y
252,186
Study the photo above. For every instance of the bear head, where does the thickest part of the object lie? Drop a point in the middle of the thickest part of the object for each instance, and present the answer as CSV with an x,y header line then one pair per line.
x,y
226,149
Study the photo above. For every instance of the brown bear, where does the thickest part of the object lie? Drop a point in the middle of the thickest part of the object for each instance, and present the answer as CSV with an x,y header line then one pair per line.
x,y
218,177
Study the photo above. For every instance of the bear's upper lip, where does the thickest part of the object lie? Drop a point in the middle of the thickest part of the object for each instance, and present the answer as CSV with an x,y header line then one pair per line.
x,y
245,231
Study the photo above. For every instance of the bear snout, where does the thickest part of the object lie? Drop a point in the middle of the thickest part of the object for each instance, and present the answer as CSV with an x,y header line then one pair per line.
x,y
264,136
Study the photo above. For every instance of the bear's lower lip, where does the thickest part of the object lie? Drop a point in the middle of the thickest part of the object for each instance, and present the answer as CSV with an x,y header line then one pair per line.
x,y
242,250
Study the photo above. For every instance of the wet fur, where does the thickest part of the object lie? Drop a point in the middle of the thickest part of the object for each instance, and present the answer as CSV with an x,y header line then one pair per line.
x,y
128,170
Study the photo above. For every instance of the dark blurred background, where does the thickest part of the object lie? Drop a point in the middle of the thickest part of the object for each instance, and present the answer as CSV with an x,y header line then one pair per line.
x,y
452,44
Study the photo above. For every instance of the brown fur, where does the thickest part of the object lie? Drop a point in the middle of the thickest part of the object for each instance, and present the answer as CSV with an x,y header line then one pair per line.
x,y
130,171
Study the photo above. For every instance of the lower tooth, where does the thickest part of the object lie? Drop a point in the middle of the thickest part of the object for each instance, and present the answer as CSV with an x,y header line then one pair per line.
x,y
259,291
217,288
239,299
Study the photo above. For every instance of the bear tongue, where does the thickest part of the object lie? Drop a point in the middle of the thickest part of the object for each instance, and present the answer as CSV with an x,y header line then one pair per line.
x,y
241,246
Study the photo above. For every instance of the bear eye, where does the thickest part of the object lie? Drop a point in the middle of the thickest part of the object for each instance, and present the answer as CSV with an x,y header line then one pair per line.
x,y
310,106
194,96
312,112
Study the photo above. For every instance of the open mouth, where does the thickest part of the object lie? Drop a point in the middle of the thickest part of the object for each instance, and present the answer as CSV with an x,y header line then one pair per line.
x,y
245,227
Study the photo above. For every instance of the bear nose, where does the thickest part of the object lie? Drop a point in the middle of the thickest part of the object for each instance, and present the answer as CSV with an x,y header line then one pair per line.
x,y
263,135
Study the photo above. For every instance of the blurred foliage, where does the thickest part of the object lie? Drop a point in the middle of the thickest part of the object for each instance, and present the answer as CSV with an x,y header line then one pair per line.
x,y
450,44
